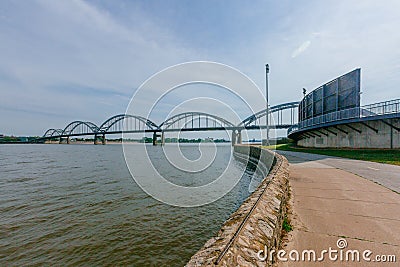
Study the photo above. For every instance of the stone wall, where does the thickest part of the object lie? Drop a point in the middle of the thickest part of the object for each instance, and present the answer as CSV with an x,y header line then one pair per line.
x,y
256,223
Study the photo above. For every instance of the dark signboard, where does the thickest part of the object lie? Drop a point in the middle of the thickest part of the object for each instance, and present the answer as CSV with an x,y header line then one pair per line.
x,y
338,94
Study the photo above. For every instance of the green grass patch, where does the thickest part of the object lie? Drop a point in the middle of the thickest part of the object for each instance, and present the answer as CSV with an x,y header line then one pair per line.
x,y
388,156
286,226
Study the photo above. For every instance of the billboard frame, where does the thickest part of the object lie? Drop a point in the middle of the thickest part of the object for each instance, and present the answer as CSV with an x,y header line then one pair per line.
x,y
338,94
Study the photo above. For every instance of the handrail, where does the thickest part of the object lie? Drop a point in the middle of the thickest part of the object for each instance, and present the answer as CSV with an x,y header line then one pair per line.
x,y
376,109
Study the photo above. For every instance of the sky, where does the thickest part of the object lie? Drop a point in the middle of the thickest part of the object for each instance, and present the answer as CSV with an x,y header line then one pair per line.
x,y
62,61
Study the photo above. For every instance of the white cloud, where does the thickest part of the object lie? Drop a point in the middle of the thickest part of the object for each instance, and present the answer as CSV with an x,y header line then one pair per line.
x,y
303,47
51,44
97,47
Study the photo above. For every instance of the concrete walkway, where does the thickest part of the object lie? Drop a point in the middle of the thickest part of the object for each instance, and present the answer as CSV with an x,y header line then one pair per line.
x,y
335,198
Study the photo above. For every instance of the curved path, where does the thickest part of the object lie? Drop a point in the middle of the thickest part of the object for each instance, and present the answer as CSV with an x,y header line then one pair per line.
x,y
336,198
383,174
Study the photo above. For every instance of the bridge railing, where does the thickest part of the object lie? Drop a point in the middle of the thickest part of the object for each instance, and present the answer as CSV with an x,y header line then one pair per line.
x,y
376,109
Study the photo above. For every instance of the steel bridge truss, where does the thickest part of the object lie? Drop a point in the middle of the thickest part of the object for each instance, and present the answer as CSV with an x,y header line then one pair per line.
x,y
52,133
187,121
191,121
77,128
254,120
127,123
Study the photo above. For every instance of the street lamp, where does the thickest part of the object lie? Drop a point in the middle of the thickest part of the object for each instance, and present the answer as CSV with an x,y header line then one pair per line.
x,y
267,99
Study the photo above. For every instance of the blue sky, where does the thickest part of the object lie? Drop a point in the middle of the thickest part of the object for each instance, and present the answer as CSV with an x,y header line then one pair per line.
x,y
68,60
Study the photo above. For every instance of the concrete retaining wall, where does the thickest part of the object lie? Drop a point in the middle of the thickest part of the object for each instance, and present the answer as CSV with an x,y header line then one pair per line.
x,y
256,223
371,134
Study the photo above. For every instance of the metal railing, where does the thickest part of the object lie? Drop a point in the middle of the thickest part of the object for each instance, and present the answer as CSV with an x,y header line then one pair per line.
x,y
376,109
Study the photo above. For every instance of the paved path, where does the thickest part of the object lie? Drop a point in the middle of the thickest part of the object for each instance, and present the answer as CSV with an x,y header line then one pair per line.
x,y
336,198
383,174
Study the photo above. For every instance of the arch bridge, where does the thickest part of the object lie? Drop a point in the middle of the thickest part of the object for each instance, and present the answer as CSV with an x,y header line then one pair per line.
x,y
187,121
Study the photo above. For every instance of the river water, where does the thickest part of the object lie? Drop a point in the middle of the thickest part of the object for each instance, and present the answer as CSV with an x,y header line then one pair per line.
x,y
77,205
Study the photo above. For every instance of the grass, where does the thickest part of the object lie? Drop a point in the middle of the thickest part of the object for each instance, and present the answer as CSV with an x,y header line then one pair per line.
x,y
388,156
286,225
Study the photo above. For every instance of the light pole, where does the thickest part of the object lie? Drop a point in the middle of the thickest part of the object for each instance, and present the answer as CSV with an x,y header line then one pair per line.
x,y
267,100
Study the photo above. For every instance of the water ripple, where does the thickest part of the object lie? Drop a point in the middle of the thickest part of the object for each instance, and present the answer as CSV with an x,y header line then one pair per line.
x,y
77,205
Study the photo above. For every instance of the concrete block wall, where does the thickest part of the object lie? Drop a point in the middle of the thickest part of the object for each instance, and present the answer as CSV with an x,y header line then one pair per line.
x,y
356,135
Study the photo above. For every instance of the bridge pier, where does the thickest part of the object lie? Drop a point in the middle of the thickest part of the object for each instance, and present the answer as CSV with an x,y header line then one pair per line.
x,y
162,138
154,138
234,138
239,137
96,140
100,140
64,140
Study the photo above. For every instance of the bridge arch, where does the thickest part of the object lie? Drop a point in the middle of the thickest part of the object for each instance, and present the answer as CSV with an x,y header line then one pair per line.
x,y
53,132
82,127
132,123
203,120
274,109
